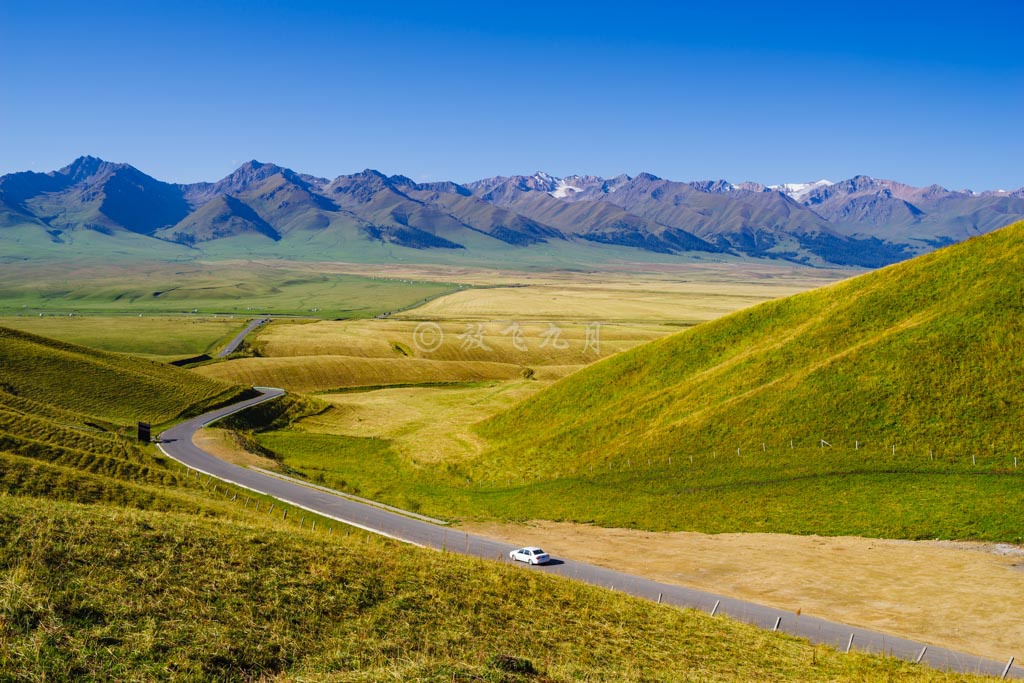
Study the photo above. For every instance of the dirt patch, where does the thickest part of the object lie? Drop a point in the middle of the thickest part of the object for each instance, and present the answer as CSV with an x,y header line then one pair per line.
x,y
967,596
220,443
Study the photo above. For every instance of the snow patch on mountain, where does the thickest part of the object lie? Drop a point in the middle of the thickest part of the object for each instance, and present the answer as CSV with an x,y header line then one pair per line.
x,y
797,191
564,189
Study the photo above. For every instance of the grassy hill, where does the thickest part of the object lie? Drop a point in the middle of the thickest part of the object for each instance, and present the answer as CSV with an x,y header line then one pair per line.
x,y
113,594
105,386
117,564
924,356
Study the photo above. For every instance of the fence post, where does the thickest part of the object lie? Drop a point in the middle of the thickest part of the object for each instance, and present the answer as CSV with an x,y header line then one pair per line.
x,y
1006,671
849,644
920,656
777,622
715,608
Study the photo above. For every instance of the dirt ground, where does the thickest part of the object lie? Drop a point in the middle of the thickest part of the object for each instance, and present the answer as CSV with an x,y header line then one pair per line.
x,y
967,596
218,442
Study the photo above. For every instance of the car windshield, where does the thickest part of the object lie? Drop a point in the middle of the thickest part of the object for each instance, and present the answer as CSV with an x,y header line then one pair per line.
x,y
538,551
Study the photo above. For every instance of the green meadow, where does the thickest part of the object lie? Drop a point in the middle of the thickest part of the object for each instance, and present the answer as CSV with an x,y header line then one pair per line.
x,y
239,288
118,564
157,337
923,356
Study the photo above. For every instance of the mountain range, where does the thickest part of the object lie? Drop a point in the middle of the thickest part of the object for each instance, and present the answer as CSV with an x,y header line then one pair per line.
x,y
863,221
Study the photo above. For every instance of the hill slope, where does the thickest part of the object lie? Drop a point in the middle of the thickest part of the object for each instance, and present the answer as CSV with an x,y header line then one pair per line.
x,y
102,592
924,355
927,352
106,386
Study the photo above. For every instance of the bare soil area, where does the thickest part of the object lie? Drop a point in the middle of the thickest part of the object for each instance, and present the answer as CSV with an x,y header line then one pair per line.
x,y
963,595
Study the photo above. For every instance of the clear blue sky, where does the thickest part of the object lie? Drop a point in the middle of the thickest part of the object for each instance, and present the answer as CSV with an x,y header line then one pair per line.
x,y
773,92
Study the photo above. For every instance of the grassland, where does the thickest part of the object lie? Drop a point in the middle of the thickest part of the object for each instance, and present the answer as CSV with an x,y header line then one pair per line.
x,y
544,325
615,299
803,491
116,564
333,355
109,387
115,594
227,287
156,337
884,585
921,356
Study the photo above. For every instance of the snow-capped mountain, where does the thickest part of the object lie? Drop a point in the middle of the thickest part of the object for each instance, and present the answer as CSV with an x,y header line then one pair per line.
x,y
797,191
861,221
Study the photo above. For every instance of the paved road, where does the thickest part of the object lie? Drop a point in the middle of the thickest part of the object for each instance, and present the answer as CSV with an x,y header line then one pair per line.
x,y
237,341
176,442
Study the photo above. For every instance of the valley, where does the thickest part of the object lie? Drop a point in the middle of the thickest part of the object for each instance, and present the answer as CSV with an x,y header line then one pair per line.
x,y
461,342
451,399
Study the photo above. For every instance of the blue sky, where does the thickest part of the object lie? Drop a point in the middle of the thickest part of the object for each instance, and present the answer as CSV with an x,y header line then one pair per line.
x,y
772,92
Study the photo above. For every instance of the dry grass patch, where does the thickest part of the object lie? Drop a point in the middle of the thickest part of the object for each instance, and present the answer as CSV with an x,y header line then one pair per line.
x,y
966,596
502,341
424,424
224,444
323,373
688,303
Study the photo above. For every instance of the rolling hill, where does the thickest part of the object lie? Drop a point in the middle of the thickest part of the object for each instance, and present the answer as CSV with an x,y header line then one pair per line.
x,y
115,563
922,352
867,407
262,209
106,386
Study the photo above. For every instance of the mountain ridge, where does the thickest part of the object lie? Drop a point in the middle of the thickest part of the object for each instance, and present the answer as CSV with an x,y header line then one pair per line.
x,y
861,221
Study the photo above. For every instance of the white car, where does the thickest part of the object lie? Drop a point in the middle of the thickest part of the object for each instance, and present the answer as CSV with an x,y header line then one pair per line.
x,y
529,555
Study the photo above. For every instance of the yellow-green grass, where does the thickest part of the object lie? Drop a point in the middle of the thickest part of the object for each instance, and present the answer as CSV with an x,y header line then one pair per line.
x,y
503,341
156,337
167,574
223,287
329,355
106,386
94,592
924,355
844,492
323,373
610,301
422,424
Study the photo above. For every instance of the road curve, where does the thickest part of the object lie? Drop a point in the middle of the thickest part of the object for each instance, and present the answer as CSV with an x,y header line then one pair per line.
x,y
176,443
237,341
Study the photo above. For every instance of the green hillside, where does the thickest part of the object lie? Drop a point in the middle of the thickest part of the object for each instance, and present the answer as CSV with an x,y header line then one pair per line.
x,y
105,386
117,564
125,595
924,356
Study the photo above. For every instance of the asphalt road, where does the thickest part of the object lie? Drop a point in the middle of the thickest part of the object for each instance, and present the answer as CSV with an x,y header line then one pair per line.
x,y
176,442
234,343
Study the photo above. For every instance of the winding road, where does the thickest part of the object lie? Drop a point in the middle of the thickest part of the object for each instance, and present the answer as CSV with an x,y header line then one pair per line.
x,y
237,341
176,443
